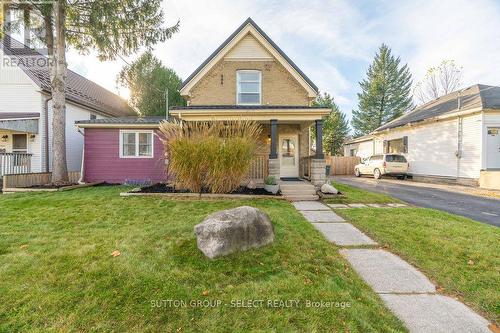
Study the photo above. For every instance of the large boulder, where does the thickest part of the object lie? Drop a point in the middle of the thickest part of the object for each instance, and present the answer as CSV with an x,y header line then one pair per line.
x,y
328,189
233,230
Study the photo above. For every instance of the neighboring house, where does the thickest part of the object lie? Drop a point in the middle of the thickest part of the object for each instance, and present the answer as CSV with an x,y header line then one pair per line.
x,y
247,77
455,137
362,146
26,110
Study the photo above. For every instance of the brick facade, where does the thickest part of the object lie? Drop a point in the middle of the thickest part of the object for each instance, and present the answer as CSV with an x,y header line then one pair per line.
x,y
218,86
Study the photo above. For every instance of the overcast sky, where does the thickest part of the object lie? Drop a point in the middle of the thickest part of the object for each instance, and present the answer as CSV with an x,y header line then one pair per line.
x,y
333,41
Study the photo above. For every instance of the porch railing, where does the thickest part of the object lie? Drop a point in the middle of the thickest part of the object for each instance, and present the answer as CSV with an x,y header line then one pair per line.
x,y
305,167
259,168
14,163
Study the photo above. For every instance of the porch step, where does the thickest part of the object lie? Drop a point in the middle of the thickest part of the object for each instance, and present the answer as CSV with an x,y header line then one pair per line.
x,y
301,197
298,191
285,187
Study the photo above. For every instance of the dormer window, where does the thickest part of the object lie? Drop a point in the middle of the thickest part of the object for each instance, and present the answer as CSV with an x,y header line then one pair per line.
x,y
248,90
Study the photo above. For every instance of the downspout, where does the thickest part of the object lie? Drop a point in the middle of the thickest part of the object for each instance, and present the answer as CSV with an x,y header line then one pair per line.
x,y
46,129
80,180
460,126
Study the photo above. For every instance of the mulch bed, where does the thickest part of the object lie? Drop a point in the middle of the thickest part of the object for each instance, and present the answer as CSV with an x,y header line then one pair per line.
x,y
166,188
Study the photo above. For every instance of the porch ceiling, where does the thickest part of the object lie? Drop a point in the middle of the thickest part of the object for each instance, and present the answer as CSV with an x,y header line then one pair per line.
x,y
290,114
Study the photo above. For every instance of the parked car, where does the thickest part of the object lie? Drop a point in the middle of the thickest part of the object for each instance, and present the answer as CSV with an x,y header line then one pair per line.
x,y
380,165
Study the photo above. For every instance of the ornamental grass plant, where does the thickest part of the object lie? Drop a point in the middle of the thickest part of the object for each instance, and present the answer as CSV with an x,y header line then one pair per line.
x,y
214,156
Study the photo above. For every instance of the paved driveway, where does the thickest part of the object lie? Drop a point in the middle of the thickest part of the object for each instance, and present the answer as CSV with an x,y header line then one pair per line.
x,y
477,208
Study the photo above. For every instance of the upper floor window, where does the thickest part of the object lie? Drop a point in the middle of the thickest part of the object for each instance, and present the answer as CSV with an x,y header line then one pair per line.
x,y
136,144
248,88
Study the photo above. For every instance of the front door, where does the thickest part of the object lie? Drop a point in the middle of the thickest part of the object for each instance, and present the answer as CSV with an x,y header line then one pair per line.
x,y
289,156
493,148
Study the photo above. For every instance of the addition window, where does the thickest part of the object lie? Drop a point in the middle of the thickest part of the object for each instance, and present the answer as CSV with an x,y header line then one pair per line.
x,y
136,144
248,88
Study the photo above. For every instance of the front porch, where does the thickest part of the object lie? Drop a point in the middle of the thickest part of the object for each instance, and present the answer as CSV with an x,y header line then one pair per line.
x,y
287,151
19,142
16,149
14,163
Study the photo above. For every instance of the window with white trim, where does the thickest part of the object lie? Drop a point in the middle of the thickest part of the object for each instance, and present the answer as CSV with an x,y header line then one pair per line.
x,y
136,144
248,87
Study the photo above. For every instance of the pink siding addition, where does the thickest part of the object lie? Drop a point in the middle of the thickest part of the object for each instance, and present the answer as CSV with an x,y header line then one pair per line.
x,y
103,163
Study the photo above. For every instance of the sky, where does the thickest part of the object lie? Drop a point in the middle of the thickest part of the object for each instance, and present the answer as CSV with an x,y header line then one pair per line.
x,y
332,41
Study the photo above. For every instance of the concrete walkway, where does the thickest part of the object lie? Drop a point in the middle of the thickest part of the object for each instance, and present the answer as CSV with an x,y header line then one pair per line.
x,y
408,293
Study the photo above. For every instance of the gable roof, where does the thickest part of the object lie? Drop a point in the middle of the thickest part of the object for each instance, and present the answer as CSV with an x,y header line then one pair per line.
x,y
79,90
234,38
478,96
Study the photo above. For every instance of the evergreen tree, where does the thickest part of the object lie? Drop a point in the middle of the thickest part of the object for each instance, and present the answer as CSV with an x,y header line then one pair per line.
x,y
147,79
386,93
335,126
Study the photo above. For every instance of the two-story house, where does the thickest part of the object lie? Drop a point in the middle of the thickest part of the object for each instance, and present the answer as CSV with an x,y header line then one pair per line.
x,y
247,77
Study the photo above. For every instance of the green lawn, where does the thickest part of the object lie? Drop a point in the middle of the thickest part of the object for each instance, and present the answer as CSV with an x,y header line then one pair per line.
x,y
353,195
461,256
57,272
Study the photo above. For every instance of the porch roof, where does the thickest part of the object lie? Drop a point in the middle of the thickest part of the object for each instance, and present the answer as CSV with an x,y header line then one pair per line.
x,y
250,112
20,121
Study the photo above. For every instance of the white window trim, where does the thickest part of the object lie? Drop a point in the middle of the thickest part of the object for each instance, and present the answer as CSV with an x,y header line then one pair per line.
x,y
238,85
137,143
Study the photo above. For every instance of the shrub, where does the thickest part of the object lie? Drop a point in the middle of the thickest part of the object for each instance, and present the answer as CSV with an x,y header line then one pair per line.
x,y
270,180
213,155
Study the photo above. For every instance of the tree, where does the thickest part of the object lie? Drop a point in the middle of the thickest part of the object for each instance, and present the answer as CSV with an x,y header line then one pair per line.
x,y
147,79
335,126
111,28
386,92
439,81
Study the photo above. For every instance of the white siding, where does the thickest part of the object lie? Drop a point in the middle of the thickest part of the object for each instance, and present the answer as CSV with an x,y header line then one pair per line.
x,y
74,140
470,163
363,149
248,48
432,147
18,93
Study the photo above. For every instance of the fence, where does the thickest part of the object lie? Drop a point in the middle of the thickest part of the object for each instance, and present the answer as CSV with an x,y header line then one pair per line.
x,y
14,163
342,165
259,168
32,179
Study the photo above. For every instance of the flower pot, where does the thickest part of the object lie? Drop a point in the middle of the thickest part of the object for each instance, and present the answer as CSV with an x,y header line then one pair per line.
x,y
272,188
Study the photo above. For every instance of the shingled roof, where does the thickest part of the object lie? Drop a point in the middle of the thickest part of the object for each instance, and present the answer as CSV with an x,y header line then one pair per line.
x,y
148,120
476,96
79,90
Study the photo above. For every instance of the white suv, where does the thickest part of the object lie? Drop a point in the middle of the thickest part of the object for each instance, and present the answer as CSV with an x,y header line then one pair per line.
x,y
386,164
